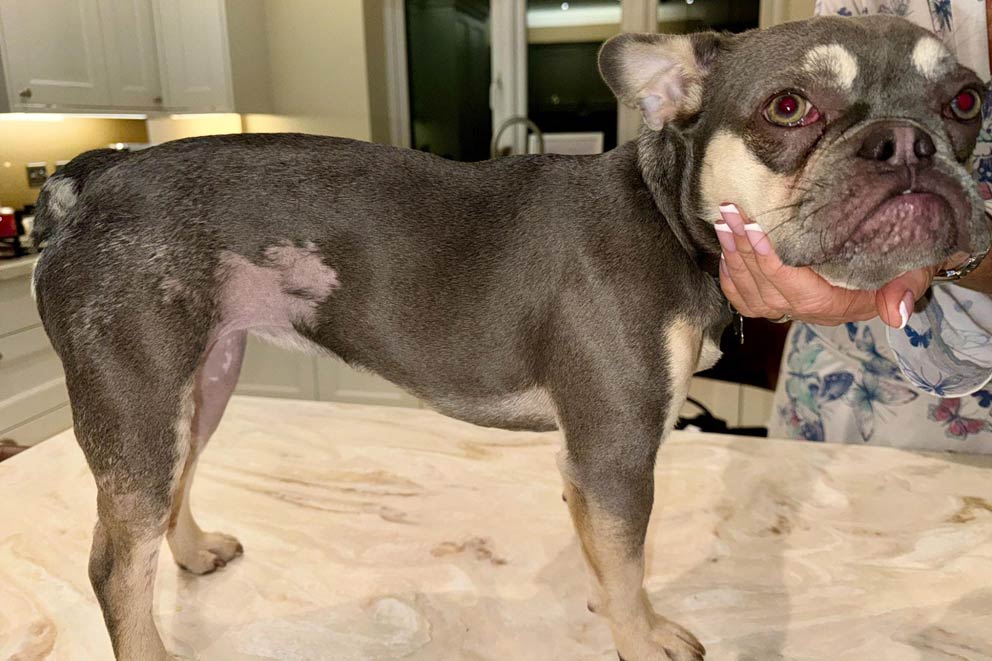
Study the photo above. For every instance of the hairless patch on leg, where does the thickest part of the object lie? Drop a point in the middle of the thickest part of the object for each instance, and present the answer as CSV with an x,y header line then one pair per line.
x,y
277,295
272,298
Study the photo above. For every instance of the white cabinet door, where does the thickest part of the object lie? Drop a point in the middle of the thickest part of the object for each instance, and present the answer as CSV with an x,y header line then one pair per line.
x,y
193,54
53,53
131,53
337,382
270,371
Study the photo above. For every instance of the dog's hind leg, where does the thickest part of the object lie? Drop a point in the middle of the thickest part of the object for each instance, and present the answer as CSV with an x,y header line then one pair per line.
x,y
132,415
193,549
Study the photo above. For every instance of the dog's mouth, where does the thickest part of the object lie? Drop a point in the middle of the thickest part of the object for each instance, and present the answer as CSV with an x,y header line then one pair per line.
x,y
867,228
904,219
864,229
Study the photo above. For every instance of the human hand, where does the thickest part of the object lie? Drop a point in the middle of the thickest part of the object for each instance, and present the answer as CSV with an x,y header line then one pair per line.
x,y
758,284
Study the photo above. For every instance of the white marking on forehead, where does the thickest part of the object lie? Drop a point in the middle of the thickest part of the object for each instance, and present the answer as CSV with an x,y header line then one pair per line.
x,y
931,58
836,60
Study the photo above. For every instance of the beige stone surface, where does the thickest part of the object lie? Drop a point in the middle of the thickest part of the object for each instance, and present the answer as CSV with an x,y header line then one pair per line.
x,y
384,533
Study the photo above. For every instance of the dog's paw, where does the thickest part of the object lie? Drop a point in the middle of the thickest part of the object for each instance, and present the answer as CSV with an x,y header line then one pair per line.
x,y
212,551
666,641
225,547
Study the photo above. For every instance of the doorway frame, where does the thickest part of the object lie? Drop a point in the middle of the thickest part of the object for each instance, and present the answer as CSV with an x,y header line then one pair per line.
x,y
508,87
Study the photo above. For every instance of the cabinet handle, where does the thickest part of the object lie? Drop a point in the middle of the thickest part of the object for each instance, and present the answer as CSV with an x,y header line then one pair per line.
x,y
157,100
26,93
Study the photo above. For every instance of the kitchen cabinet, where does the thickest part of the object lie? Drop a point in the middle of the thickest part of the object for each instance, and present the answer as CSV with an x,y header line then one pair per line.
x,y
193,50
339,382
53,53
271,371
34,403
134,55
214,55
131,54
79,55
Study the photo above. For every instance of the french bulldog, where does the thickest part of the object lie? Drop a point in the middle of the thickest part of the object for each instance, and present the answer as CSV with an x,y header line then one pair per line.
x,y
532,292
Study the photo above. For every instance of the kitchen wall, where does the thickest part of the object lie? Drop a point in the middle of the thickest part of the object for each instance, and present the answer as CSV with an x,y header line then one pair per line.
x,y
176,127
29,141
317,79
325,92
774,12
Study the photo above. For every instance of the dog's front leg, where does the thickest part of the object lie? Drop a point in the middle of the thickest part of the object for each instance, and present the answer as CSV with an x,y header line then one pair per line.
x,y
612,435
610,506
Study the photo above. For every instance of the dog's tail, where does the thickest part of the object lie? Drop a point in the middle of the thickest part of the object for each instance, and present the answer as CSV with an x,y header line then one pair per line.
x,y
59,194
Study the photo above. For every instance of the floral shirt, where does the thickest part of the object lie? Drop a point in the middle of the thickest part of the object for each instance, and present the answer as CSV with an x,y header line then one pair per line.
x,y
868,383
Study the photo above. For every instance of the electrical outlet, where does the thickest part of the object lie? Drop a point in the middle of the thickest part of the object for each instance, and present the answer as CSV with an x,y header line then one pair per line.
x,y
37,174
59,165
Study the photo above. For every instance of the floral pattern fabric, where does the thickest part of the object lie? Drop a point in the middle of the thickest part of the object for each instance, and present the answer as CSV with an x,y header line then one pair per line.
x,y
925,386
846,384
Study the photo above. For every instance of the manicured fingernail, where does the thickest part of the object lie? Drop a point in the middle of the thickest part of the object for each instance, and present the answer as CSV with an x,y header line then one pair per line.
x,y
726,237
732,216
905,307
723,266
758,240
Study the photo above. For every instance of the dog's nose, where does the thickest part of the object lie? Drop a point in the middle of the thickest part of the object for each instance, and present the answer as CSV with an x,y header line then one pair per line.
x,y
898,144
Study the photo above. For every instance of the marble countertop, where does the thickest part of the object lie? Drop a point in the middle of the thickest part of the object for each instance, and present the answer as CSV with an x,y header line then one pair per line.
x,y
383,533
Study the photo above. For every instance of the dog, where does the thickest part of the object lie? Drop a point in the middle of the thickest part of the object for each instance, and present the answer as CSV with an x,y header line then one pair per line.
x,y
532,292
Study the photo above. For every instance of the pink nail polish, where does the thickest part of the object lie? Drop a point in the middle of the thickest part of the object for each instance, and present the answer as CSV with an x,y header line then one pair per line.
x,y
726,237
723,266
758,239
906,308
732,216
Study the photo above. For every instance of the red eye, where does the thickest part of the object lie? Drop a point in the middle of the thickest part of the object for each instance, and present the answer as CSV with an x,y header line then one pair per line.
x,y
790,109
787,106
967,105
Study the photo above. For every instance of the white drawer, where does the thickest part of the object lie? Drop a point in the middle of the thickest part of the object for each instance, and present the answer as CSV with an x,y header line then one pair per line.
x,y
41,427
31,378
17,309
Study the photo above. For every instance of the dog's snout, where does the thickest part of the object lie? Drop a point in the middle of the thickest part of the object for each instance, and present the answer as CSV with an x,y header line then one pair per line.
x,y
898,144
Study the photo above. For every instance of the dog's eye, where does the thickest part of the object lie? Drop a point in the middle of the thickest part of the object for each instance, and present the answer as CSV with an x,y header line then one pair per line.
x,y
790,109
967,105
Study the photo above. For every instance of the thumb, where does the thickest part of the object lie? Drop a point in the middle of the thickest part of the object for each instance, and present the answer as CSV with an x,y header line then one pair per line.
x,y
895,300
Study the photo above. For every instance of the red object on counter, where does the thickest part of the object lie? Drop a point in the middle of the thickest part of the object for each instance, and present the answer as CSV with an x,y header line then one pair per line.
x,y
8,226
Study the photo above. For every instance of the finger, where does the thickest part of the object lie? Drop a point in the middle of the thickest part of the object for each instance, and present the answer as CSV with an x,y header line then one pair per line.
x,y
739,226
736,272
895,301
741,230
801,291
731,291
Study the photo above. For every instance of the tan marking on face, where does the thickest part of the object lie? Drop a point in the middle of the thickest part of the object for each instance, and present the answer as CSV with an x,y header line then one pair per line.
x,y
732,173
835,61
931,58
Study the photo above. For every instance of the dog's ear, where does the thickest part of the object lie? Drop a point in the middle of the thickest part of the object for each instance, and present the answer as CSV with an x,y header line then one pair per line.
x,y
662,74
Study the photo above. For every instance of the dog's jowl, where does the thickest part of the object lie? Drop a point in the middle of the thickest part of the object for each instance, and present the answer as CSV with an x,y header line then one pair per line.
x,y
530,292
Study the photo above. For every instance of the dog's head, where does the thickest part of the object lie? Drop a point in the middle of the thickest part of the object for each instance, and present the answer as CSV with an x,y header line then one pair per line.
x,y
845,139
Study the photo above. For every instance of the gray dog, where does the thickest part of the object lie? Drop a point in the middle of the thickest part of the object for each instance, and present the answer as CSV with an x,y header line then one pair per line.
x,y
526,293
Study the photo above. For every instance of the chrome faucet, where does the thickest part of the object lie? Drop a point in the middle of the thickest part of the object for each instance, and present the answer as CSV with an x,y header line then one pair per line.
x,y
511,121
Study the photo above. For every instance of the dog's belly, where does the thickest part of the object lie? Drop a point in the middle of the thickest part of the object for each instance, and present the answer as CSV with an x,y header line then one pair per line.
x,y
530,410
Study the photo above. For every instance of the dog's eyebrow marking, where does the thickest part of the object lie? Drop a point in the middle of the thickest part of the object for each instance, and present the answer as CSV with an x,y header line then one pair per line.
x,y
835,60
931,57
